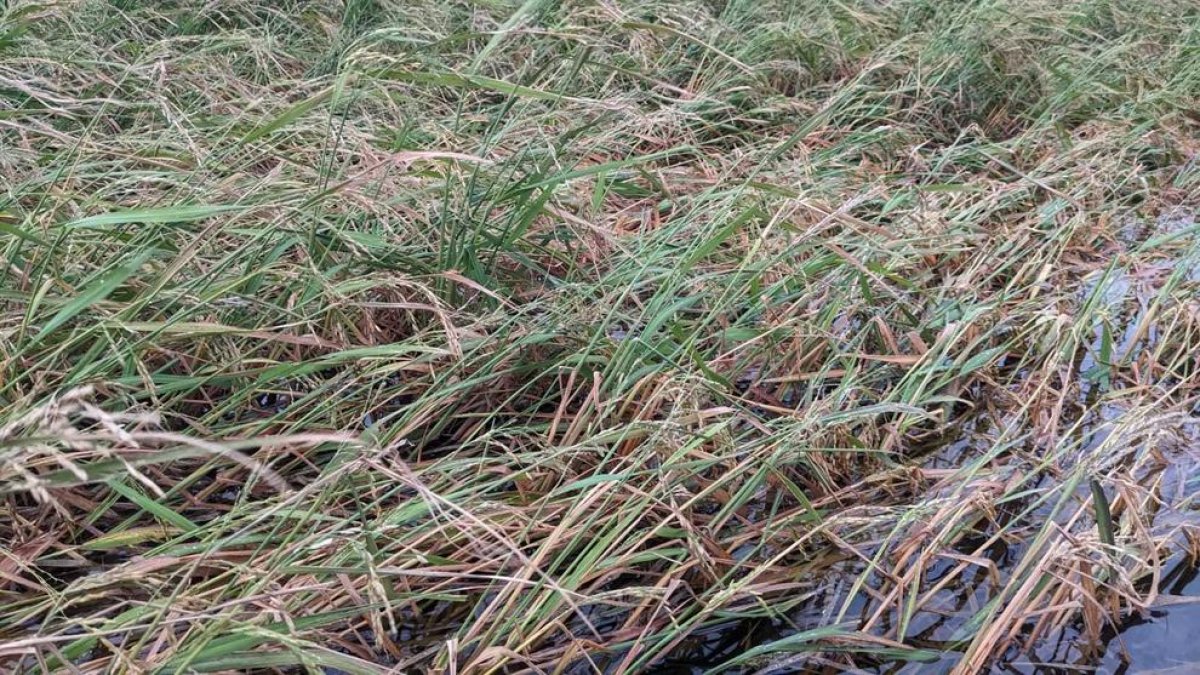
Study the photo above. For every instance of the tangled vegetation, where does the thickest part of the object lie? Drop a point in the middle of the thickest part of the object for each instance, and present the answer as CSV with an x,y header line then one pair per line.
x,y
572,336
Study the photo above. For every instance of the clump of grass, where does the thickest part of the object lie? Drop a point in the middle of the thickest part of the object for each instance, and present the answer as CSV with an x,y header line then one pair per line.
x,y
554,337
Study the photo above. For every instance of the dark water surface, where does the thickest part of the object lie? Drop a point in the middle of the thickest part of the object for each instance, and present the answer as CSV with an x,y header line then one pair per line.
x,y
1164,642
1168,641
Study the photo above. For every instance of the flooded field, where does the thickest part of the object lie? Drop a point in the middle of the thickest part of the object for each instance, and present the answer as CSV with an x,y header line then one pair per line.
x,y
945,597
576,337
1158,641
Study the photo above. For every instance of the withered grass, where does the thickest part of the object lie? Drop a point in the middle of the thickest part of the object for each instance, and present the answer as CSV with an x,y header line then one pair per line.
x,y
486,336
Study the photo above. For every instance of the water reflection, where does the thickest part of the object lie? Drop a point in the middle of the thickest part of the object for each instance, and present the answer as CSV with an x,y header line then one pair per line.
x,y
1164,642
